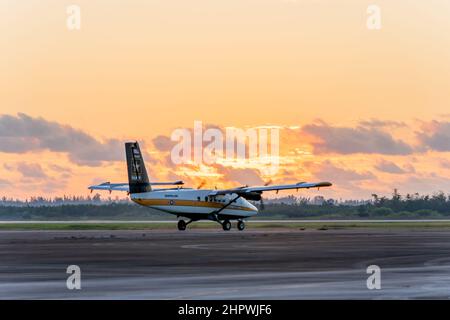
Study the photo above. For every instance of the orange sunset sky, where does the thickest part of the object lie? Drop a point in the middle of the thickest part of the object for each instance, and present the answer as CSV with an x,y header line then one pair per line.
x,y
365,109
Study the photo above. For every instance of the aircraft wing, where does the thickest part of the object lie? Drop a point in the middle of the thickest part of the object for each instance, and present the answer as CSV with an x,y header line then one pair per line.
x,y
125,186
174,183
247,190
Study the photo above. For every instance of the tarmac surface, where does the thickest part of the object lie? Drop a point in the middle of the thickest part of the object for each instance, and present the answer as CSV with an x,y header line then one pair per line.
x,y
213,264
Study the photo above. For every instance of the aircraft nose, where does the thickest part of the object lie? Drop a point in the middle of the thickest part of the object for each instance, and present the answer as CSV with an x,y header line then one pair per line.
x,y
254,208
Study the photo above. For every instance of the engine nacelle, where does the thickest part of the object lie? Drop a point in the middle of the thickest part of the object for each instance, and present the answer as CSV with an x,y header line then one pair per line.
x,y
253,196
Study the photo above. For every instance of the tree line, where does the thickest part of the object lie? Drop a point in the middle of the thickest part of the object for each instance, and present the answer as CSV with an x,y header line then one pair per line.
x,y
396,206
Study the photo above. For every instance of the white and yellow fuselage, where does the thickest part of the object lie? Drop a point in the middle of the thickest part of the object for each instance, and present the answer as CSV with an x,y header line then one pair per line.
x,y
192,202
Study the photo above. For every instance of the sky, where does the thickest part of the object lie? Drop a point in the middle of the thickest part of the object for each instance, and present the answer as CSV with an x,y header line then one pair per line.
x,y
367,109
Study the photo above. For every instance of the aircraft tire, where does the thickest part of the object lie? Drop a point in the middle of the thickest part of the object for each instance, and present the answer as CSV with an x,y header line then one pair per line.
x,y
241,225
226,225
181,225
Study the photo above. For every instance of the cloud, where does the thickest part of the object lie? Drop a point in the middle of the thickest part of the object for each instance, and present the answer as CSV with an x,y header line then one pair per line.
x,y
8,166
436,136
163,143
52,186
31,170
389,167
330,172
59,169
344,140
219,137
445,164
245,176
346,182
34,177
376,123
409,168
425,184
22,133
4,183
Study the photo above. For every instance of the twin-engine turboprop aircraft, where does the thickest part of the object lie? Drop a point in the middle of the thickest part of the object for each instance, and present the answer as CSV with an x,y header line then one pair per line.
x,y
194,204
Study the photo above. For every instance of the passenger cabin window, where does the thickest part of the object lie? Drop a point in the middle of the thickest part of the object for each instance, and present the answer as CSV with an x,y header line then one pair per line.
x,y
198,198
206,199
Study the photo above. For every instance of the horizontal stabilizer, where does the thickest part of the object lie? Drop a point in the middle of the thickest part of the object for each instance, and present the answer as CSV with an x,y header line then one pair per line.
x,y
125,187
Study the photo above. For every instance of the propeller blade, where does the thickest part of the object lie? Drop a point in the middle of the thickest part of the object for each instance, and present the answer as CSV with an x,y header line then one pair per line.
x,y
201,184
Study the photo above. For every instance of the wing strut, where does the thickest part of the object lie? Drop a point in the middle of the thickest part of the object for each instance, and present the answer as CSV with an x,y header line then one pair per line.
x,y
215,213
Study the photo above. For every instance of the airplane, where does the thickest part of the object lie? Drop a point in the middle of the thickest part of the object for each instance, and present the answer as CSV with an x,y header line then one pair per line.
x,y
194,204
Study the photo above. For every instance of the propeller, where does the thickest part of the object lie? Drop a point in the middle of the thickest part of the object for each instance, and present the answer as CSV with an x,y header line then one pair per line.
x,y
201,184
261,202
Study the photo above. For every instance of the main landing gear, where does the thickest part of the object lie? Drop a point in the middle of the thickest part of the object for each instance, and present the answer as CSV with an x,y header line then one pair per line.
x,y
226,225
182,225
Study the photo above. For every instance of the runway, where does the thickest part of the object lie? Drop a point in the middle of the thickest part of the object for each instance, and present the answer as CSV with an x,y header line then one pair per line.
x,y
419,221
212,264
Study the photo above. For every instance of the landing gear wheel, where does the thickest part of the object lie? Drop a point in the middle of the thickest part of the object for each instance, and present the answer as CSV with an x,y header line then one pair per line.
x,y
241,225
226,225
181,225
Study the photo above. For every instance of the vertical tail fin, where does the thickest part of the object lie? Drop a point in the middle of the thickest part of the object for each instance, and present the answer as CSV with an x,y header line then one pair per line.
x,y
137,174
